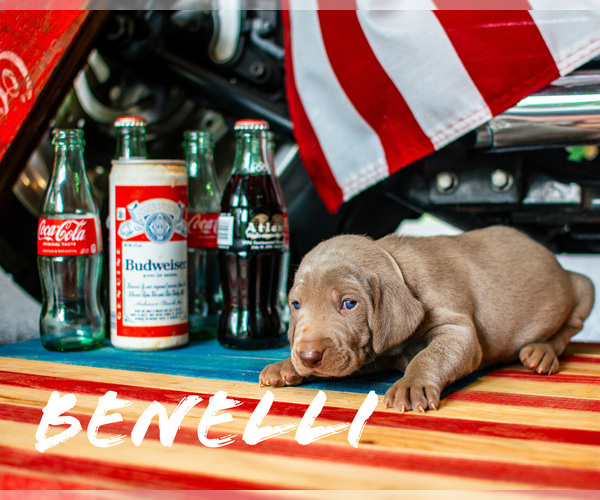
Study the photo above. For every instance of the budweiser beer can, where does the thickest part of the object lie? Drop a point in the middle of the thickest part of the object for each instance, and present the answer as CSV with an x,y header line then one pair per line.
x,y
148,254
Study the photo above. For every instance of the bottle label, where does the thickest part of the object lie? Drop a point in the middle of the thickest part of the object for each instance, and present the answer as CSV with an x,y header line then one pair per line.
x,y
202,230
225,224
286,229
64,237
260,232
151,261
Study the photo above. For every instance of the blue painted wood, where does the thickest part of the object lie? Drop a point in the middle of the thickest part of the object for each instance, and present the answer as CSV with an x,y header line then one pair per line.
x,y
203,359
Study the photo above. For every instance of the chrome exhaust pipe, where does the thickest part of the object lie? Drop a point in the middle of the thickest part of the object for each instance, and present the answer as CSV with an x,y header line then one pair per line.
x,y
565,113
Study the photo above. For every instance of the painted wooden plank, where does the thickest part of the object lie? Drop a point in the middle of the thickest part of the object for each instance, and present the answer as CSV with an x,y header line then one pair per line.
x,y
425,433
541,386
390,459
170,389
190,466
204,359
507,431
443,425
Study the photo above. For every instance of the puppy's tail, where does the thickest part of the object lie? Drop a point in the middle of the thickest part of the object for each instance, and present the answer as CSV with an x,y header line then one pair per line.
x,y
583,289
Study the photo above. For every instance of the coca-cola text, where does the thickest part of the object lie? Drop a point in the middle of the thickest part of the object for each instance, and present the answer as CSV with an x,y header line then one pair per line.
x,y
67,237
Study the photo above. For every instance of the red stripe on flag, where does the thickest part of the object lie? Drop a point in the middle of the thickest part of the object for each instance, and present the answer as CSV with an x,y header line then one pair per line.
x,y
314,160
555,377
578,345
389,418
529,400
370,89
141,477
337,5
503,52
577,358
30,481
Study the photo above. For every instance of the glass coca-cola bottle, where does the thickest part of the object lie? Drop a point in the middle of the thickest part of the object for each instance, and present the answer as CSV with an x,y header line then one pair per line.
x,y
204,205
252,243
69,252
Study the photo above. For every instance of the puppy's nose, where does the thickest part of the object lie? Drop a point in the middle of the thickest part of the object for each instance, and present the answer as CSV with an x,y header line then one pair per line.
x,y
311,359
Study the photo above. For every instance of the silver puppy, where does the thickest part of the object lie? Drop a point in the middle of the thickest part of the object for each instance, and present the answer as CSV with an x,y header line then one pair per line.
x,y
435,308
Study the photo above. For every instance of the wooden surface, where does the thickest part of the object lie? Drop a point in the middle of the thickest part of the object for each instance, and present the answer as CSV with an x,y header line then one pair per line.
x,y
507,429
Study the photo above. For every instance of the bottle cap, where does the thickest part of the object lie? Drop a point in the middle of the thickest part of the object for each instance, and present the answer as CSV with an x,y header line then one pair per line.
x,y
130,121
251,125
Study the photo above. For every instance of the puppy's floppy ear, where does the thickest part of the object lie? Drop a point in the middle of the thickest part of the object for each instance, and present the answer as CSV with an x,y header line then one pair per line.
x,y
396,312
291,329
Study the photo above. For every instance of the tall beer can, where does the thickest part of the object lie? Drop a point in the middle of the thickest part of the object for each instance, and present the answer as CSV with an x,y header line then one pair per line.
x,y
148,254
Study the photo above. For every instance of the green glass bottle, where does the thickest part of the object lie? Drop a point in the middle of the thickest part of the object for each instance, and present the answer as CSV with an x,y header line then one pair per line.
x,y
204,203
70,252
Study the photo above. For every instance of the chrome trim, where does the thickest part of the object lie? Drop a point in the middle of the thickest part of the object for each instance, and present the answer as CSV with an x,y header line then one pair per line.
x,y
565,113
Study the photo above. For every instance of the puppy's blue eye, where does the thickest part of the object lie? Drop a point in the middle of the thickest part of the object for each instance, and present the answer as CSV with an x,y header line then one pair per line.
x,y
349,304
296,304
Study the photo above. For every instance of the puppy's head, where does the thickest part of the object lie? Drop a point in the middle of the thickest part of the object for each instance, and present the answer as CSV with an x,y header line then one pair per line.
x,y
349,303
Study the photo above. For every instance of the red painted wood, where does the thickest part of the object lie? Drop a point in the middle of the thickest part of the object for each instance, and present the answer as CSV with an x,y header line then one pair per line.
x,y
525,374
31,481
577,358
135,477
388,418
540,475
530,400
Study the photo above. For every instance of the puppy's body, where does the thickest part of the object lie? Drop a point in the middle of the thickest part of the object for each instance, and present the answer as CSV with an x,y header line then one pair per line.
x,y
436,308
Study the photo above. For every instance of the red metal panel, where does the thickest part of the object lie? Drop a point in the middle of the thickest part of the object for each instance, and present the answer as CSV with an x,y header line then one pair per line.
x,y
31,45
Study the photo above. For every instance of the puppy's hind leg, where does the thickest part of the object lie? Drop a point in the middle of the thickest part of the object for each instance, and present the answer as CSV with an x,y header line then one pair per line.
x,y
542,357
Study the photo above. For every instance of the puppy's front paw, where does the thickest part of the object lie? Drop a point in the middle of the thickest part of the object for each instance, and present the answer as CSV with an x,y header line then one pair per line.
x,y
412,395
280,374
539,357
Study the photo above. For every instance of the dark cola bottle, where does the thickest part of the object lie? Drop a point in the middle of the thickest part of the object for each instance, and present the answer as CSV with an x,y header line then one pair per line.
x,y
252,241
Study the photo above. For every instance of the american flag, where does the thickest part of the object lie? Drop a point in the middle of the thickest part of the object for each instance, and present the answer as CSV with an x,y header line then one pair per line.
x,y
372,89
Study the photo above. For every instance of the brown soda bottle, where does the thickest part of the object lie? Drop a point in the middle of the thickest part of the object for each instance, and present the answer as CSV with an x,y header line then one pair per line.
x,y
252,241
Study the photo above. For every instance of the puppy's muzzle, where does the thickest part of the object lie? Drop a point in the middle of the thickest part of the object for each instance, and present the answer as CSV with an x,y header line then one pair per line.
x,y
312,358
311,354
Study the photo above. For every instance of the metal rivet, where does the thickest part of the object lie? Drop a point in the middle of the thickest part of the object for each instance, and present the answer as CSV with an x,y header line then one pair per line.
x,y
501,180
446,182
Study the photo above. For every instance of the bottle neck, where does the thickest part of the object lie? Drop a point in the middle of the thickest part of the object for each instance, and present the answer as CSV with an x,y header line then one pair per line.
x,y
198,156
253,156
69,190
204,192
131,143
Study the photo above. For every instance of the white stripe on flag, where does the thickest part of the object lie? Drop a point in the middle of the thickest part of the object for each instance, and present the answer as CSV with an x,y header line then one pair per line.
x,y
562,5
347,141
414,50
572,36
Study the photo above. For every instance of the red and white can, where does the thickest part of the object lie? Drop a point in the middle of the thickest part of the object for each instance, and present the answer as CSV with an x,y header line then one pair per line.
x,y
148,254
